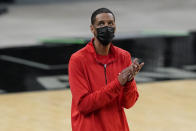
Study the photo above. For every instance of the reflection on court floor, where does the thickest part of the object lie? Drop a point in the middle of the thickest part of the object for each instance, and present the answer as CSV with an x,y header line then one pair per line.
x,y
162,106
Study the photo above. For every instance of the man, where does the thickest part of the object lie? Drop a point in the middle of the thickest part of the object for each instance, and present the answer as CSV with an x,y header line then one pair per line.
x,y
101,78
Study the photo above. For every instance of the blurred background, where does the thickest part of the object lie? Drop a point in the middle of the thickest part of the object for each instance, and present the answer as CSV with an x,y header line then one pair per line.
x,y
37,38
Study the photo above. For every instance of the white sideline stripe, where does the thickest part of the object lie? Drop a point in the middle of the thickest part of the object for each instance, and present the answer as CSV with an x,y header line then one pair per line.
x,y
190,67
143,79
170,73
52,82
152,74
177,73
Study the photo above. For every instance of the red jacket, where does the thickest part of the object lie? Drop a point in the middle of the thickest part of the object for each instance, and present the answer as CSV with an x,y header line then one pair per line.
x,y
98,99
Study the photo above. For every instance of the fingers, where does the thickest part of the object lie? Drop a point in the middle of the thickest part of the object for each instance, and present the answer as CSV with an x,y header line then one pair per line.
x,y
141,65
136,66
135,63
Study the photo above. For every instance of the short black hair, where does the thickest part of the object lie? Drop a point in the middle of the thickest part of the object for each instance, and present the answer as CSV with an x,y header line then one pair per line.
x,y
100,11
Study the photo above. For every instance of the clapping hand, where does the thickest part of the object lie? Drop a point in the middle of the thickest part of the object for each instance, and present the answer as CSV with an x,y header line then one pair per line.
x,y
130,72
136,68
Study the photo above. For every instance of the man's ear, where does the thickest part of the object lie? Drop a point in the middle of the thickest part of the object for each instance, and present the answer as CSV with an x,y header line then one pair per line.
x,y
92,29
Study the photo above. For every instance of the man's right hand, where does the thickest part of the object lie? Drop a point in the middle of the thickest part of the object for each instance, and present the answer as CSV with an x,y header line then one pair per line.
x,y
124,75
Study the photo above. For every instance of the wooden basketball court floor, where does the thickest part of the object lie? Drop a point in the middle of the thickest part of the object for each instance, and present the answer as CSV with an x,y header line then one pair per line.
x,y
162,106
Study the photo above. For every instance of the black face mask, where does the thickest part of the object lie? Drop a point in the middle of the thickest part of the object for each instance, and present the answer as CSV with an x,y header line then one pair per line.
x,y
105,35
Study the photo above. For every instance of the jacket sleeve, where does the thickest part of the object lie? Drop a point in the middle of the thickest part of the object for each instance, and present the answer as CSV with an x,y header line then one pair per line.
x,y
83,98
130,93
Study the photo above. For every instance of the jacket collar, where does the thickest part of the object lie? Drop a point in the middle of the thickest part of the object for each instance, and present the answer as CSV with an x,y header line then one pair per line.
x,y
112,53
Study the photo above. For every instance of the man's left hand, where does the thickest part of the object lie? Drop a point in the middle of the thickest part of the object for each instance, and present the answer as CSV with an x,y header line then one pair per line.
x,y
136,68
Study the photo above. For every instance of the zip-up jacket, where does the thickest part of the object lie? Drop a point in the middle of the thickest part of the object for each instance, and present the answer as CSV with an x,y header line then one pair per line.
x,y
98,99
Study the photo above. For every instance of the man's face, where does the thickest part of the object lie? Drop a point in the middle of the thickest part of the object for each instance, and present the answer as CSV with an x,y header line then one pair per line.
x,y
102,20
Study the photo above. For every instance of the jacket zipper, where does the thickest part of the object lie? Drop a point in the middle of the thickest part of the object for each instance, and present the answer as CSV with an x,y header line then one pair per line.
x,y
105,73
